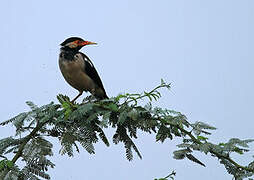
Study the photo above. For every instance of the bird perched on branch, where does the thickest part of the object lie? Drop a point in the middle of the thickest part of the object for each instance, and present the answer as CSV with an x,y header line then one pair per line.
x,y
78,70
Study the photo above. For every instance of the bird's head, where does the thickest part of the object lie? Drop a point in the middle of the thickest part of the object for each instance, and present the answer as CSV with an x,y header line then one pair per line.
x,y
75,43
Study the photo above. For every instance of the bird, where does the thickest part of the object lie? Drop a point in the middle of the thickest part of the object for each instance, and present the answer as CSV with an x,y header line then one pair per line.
x,y
78,70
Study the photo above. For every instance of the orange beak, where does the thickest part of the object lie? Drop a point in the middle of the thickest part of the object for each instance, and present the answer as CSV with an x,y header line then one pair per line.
x,y
84,43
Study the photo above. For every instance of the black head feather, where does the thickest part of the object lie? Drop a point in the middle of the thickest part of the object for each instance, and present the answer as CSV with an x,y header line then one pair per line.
x,y
71,39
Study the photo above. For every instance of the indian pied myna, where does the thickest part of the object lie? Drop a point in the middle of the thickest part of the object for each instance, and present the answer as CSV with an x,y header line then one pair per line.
x,y
78,70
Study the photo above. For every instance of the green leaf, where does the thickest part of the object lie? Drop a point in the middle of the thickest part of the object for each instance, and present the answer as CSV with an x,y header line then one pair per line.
x,y
163,133
202,138
32,105
9,164
148,95
112,107
106,115
5,163
120,96
2,165
162,82
222,144
192,158
238,150
122,117
181,154
92,117
133,114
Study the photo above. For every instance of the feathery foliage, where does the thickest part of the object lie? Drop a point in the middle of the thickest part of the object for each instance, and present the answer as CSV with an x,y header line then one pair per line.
x,y
82,125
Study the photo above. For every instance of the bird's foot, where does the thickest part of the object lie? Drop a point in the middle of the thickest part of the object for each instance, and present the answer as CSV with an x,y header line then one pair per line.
x,y
90,98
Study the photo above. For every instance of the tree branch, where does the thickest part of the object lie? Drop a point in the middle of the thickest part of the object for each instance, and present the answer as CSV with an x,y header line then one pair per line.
x,y
194,139
22,146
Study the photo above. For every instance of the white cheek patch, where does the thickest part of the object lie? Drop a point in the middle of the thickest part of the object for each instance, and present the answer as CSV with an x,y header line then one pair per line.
x,y
71,45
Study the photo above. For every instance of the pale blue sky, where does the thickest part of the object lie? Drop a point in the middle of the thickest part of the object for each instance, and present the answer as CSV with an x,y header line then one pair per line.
x,y
205,48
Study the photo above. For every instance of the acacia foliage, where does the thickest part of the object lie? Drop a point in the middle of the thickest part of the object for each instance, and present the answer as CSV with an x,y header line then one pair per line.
x,y
81,125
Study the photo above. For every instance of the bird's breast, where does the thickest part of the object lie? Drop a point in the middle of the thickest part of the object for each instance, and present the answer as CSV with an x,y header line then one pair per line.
x,y
74,73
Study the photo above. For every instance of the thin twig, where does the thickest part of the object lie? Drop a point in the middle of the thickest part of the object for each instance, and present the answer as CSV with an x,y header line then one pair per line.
x,y
150,92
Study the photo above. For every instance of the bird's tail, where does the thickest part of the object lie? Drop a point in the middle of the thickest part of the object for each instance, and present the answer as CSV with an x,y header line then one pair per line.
x,y
101,94
105,96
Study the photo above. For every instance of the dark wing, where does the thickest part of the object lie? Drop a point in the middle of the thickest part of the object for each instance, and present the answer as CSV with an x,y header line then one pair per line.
x,y
92,73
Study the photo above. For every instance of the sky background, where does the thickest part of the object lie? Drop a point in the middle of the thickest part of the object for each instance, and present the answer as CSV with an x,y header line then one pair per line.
x,y
204,48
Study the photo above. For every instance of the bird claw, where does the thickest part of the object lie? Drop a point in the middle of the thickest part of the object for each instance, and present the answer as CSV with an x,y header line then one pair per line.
x,y
90,98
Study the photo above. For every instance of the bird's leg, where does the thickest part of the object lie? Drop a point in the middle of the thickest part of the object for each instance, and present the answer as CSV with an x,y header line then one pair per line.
x,y
80,93
93,94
